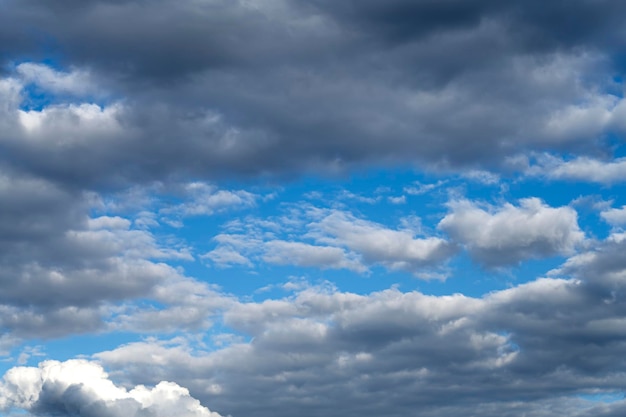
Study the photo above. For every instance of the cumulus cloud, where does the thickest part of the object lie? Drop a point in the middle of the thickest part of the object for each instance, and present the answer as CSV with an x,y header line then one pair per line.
x,y
615,216
377,244
581,169
83,388
501,236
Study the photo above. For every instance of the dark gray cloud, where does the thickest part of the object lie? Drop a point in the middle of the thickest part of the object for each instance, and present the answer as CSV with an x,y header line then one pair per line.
x,y
232,87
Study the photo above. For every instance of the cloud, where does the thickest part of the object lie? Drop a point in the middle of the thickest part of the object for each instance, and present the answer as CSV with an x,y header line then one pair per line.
x,y
330,238
507,235
377,244
67,270
397,200
207,199
614,216
581,169
601,265
419,188
82,388
322,349
75,82
302,254
180,304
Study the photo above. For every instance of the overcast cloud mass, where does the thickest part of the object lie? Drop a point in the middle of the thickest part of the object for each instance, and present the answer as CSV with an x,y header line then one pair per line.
x,y
278,208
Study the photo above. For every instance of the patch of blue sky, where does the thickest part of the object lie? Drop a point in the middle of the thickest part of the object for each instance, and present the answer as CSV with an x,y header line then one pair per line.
x,y
360,195
35,98
603,397
65,348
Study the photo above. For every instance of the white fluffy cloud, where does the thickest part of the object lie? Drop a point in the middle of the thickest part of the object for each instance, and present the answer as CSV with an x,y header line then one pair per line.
x,y
506,235
83,388
584,169
615,216
378,244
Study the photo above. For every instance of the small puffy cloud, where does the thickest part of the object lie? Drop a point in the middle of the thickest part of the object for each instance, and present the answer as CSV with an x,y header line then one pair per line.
x,y
70,124
83,388
507,235
226,256
377,244
598,114
483,177
418,188
348,195
76,82
397,200
303,254
581,169
615,216
206,199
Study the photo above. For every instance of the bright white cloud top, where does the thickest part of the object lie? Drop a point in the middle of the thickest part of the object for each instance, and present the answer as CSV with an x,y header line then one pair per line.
x,y
79,387
339,208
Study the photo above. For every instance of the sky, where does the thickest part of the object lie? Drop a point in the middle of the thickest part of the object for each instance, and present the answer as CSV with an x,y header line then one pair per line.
x,y
278,208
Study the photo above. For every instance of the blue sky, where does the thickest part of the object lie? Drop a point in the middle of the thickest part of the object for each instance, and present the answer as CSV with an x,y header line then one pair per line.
x,y
232,208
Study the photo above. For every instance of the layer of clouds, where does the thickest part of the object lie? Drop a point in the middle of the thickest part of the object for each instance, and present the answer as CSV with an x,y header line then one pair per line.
x,y
615,216
229,87
537,348
507,235
66,272
82,388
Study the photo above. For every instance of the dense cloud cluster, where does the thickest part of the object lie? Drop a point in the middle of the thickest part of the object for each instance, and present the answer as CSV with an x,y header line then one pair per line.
x,y
218,87
535,348
121,120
